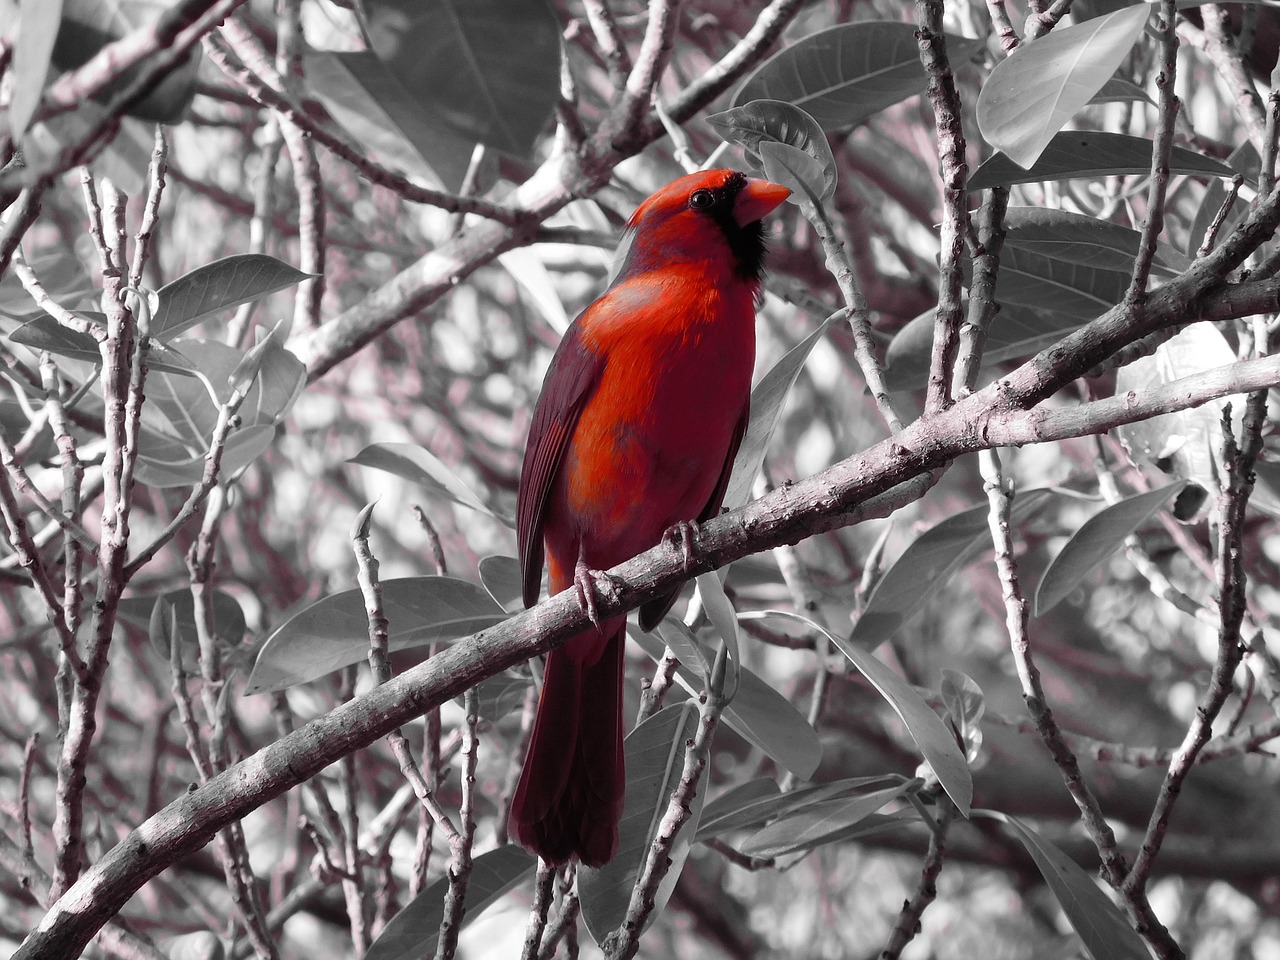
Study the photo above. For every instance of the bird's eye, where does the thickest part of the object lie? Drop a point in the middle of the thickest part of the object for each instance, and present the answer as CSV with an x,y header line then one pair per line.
x,y
702,200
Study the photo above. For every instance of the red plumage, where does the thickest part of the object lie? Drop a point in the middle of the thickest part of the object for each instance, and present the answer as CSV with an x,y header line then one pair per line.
x,y
640,416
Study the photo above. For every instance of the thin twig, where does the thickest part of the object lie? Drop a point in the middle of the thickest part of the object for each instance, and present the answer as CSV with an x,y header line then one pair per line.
x,y
945,99
1161,148
908,923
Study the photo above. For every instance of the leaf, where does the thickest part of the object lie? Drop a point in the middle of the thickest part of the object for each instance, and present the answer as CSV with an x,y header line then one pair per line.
x,y
367,101
501,578
527,269
1116,90
754,804
1087,241
45,333
419,465
655,753
181,408
1097,539
89,25
228,620
843,75
60,273
1076,154
1068,289
722,809
795,169
763,121
413,932
1017,331
1183,445
172,469
491,67
1104,930
767,400
217,286
817,824
931,735
37,30
723,619
1031,94
927,564
965,706
681,641
760,715
334,632
499,695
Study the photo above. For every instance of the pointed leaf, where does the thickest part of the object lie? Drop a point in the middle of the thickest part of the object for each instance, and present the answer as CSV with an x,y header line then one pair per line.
x,y
767,400
773,120
1100,924
721,614
219,286
844,74
754,804
422,467
817,824
492,66
1076,154
965,705
655,753
936,742
931,735
927,564
413,932
37,30
334,632
1096,540
1031,94
1116,90
164,466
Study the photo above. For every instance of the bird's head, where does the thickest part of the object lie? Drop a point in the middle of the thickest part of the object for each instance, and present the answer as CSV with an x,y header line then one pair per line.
x,y
711,216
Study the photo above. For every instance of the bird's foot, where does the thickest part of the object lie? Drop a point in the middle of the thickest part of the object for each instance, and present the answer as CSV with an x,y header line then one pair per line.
x,y
683,536
587,584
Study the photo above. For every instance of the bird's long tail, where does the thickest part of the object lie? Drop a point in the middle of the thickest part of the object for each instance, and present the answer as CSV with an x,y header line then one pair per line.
x,y
570,794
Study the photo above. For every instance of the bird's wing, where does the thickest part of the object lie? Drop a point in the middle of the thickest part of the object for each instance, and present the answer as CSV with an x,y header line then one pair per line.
x,y
652,612
573,373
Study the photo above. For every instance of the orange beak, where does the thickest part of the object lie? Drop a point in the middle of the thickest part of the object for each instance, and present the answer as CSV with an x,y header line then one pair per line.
x,y
758,199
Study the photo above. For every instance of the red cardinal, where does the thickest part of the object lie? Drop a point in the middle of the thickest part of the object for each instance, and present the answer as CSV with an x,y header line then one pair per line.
x,y
635,432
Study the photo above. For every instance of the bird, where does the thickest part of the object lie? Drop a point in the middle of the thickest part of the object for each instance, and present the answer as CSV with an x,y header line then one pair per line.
x,y
632,439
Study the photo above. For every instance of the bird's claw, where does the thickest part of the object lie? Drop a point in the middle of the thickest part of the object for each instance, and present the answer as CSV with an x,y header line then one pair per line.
x,y
683,535
585,581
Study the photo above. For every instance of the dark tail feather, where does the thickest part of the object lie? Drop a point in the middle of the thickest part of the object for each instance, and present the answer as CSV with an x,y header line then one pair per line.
x,y
569,798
